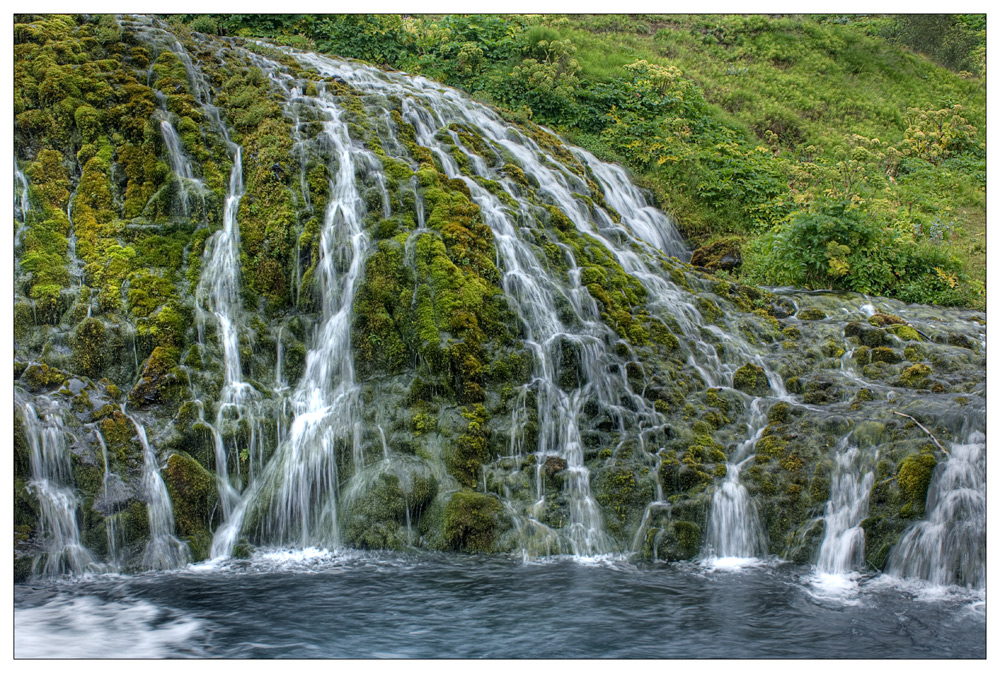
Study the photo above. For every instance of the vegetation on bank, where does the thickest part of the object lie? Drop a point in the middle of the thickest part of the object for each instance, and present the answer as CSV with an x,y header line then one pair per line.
x,y
833,151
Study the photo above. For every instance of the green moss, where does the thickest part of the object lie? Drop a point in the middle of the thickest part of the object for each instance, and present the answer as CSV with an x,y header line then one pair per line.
x,y
810,313
89,350
914,478
904,332
915,376
751,379
464,456
381,312
473,522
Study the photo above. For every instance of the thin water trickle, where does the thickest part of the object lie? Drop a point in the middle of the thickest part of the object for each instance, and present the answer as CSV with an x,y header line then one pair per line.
x,y
734,529
163,550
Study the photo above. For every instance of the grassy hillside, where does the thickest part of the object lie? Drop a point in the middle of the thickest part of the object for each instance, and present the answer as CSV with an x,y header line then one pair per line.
x,y
823,148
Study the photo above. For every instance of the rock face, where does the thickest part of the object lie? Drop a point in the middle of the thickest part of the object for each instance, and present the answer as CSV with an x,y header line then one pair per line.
x,y
300,301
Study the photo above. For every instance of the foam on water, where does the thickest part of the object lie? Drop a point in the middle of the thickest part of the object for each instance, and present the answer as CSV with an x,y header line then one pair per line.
x,y
731,563
84,627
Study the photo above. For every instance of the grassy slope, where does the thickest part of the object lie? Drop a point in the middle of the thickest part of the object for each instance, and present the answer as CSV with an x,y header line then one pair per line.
x,y
744,127
813,84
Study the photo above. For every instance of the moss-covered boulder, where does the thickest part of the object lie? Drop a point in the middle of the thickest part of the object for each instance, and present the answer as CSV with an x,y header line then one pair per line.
x,y
723,254
473,522
194,496
751,379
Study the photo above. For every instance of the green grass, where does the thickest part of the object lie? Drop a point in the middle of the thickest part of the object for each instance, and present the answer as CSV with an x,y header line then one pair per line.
x,y
739,125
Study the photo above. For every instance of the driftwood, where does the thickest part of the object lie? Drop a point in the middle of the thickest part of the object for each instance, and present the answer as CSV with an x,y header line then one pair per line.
x,y
943,450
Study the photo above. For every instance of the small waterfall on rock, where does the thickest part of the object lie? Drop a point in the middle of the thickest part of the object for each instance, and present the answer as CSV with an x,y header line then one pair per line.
x,y
180,164
112,487
164,550
842,550
734,529
52,484
22,200
218,295
295,499
949,545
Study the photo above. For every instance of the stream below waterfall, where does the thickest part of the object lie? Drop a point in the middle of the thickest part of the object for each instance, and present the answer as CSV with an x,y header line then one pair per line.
x,y
317,604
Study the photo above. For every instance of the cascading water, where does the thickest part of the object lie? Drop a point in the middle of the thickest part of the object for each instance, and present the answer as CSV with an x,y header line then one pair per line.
x,y
734,529
52,483
164,550
295,499
583,404
112,485
949,545
22,200
218,295
179,163
842,549
541,301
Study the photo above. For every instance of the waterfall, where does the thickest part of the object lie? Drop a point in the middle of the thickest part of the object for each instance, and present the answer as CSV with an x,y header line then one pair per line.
x,y
164,550
295,499
734,529
218,294
111,483
949,545
52,484
843,547
557,316
180,165
22,200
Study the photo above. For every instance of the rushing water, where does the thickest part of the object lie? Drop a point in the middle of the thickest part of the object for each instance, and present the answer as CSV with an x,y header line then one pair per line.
x,y
297,483
163,550
52,483
949,546
312,604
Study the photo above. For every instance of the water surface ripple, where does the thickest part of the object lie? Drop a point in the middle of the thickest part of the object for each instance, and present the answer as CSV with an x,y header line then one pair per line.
x,y
315,604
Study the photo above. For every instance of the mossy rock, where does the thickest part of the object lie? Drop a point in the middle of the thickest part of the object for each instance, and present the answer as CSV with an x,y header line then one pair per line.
x,y
904,332
723,254
42,376
161,381
751,379
677,541
884,354
915,376
914,478
810,313
473,522
193,494
374,518
883,319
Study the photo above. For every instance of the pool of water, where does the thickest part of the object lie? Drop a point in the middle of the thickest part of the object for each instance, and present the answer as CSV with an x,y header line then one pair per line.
x,y
319,604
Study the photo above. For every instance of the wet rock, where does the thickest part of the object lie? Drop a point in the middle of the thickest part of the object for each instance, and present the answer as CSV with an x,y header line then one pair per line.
x,y
751,379
553,465
722,255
